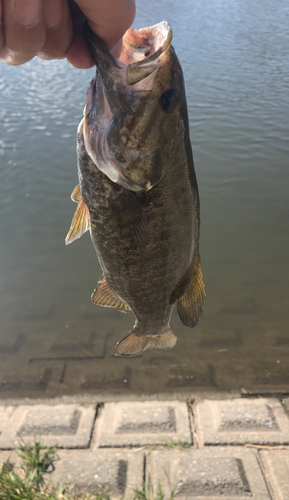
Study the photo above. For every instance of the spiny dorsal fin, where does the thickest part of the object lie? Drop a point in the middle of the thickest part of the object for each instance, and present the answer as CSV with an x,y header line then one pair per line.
x,y
104,296
76,194
80,222
190,305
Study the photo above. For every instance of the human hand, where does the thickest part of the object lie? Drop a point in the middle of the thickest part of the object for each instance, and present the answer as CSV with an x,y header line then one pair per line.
x,y
52,29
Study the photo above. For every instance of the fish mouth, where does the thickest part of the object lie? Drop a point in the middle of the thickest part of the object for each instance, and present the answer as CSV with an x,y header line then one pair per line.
x,y
149,44
141,55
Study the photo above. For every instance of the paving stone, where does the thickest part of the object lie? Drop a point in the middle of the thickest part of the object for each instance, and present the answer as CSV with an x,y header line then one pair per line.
x,y
67,426
241,421
5,415
208,474
276,469
11,456
117,472
143,423
286,404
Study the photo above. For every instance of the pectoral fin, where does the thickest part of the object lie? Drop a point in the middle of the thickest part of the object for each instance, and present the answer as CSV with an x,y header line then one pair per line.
x,y
190,305
76,194
104,296
131,221
80,222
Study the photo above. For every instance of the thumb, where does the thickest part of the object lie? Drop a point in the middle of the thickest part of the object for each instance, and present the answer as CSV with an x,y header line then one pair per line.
x,y
108,18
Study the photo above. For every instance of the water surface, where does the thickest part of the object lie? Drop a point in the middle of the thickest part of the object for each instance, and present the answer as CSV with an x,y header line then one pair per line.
x,y
53,340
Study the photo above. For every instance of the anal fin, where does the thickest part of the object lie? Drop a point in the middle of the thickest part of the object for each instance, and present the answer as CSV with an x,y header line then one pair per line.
x,y
80,222
190,305
104,296
76,194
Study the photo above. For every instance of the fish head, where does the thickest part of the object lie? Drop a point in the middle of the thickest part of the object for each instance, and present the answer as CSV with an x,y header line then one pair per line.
x,y
134,106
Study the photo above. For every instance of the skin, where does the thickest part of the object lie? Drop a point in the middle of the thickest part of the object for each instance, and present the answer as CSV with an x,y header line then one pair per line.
x,y
52,29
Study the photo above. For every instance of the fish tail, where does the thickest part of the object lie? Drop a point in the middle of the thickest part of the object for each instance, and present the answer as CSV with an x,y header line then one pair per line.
x,y
134,342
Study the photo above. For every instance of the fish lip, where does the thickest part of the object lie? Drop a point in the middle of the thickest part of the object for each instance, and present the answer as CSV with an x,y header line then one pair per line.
x,y
99,50
111,70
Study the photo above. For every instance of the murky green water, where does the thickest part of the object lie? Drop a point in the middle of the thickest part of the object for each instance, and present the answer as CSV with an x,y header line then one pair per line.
x,y
53,340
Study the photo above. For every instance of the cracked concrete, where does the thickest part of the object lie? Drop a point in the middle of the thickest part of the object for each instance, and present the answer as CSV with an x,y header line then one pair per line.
x,y
222,445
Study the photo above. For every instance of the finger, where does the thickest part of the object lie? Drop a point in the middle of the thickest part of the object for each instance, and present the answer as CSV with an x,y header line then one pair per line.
x,y
2,38
58,29
53,12
24,30
109,18
78,53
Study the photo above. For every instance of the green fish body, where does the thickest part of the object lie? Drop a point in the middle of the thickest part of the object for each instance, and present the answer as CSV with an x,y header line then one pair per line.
x,y
137,192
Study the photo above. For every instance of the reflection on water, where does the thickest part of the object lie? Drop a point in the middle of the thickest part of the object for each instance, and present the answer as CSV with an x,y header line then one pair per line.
x,y
53,340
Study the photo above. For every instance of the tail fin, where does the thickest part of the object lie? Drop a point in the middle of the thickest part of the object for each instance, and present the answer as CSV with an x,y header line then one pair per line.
x,y
134,343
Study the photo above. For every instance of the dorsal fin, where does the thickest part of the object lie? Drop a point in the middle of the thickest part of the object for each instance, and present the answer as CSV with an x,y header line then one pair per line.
x,y
76,194
190,305
104,296
80,222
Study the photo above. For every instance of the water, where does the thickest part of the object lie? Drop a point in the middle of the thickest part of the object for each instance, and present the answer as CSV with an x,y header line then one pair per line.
x,y
53,340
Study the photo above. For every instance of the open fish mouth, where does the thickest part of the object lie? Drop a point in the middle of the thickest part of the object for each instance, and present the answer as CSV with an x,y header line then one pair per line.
x,y
140,56
145,47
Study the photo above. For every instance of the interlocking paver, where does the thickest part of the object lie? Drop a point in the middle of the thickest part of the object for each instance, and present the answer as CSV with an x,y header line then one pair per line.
x,y
241,421
68,426
208,474
286,404
6,413
117,472
10,456
143,423
276,468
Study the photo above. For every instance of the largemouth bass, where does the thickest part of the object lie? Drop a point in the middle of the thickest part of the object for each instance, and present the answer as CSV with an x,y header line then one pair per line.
x,y
137,193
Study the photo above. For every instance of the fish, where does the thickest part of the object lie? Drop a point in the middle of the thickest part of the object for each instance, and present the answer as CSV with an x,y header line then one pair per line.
x,y
138,193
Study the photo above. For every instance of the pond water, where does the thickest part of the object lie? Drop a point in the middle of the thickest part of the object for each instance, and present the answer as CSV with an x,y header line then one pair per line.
x,y
53,340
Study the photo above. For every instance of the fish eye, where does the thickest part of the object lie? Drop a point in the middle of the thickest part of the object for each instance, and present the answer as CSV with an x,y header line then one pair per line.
x,y
170,101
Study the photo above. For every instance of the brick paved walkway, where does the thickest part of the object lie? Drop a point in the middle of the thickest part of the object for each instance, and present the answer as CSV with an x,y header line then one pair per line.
x,y
229,448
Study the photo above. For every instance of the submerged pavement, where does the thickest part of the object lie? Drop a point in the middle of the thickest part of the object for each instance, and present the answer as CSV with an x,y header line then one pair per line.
x,y
214,446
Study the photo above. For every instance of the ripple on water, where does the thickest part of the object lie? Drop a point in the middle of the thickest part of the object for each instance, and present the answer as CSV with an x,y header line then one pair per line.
x,y
236,68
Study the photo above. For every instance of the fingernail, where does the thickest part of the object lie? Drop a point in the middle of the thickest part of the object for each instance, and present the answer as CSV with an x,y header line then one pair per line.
x,y
53,13
27,12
